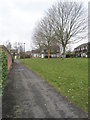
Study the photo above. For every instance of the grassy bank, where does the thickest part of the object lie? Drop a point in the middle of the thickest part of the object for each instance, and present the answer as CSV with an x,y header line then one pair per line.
x,y
68,76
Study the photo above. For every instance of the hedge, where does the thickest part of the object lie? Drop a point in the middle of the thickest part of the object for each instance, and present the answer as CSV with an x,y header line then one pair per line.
x,y
0,72
3,69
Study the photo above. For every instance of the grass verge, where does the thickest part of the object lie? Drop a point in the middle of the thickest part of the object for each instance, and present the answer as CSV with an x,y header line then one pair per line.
x,y
68,76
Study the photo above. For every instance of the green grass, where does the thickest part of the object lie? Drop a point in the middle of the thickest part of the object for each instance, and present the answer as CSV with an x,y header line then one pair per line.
x,y
68,76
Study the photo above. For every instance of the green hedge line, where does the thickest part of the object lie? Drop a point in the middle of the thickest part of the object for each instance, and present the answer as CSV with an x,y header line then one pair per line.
x,y
3,69
0,72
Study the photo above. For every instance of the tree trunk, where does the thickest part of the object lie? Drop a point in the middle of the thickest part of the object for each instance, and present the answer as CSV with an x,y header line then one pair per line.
x,y
64,55
48,54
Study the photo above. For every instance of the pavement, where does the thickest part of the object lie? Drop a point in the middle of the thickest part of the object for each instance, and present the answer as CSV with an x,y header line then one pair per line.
x,y
26,95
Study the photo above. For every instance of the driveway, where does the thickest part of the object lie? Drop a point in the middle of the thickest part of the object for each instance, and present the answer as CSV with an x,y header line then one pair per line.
x,y
26,95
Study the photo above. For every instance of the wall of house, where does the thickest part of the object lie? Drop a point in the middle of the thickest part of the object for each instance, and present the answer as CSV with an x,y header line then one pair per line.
x,y
81,51
9,56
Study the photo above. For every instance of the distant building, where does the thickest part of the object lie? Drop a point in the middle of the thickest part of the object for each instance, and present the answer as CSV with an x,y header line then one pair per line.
x,y
54,52
36,53
43,53
28,54
82,50
14,52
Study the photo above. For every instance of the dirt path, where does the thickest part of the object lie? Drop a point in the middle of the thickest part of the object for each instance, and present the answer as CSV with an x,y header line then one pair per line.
x,y
28,96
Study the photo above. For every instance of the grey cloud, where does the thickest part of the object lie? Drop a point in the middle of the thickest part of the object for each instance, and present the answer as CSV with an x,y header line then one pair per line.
x,y
18,18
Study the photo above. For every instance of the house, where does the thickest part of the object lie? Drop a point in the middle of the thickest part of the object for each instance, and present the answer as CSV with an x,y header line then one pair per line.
x,y
14,52
82,50
54,52
43,53
36,53
28,54
8,54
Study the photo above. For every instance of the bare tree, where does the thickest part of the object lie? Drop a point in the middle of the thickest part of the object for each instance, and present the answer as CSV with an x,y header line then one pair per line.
x,y
69,21
20,48
37,40
44,35
8,45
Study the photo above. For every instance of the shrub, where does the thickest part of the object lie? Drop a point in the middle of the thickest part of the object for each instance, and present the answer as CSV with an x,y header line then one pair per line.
x,y
4,69
0,72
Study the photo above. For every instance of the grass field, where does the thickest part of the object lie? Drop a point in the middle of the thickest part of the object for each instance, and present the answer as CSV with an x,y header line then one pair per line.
x,y
68,76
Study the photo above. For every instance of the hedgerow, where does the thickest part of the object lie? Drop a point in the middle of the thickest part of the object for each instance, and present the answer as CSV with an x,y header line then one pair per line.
x,y
4,69
0,72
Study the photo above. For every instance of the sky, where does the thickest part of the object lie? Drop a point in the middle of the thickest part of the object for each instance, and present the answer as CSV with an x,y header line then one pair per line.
x,y
18,19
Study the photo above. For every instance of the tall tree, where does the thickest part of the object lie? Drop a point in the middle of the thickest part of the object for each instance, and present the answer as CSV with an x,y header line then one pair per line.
x,y
8,45
69,21
44,35
20,48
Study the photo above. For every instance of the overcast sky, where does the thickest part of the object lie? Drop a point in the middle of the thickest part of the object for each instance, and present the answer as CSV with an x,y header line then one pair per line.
x,y
19,17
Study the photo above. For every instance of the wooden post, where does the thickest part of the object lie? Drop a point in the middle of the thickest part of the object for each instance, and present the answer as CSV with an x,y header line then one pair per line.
x,y
24,52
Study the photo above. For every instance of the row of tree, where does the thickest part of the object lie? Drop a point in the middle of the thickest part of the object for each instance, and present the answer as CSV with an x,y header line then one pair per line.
x,y
16,48
63,23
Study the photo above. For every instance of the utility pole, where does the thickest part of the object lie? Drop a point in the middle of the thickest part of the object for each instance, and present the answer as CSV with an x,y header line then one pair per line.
x,y
24,52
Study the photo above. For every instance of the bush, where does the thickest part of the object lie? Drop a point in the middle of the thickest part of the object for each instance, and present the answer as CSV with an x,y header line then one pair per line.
x,y
4,69
0,72
70,55
47,56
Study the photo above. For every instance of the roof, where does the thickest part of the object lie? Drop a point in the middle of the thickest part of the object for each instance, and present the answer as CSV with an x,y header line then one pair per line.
x,y
13,51
36,51
28,52
53,49
82,45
